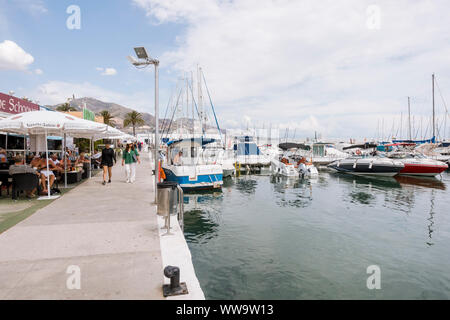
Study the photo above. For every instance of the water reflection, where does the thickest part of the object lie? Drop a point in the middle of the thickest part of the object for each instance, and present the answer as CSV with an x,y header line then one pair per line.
x,y
431,219
292,192
202,217
246,184
421,182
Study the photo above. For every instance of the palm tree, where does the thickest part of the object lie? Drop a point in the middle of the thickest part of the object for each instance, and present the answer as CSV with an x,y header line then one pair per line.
x,y
65,107
107,118
133,118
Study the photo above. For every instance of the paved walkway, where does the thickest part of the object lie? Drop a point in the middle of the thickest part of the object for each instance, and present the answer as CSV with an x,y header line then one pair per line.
x,y
109,232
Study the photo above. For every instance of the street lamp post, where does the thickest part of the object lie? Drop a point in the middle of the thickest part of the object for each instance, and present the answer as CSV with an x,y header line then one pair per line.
x,y
144,61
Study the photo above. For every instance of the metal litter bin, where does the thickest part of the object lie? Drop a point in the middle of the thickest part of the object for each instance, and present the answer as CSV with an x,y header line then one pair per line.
x,y
167,198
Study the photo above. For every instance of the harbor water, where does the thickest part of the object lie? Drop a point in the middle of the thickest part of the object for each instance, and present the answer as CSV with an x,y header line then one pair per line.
x,y
275,238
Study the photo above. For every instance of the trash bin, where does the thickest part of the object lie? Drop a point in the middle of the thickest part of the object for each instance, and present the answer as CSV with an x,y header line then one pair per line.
x,y
167,198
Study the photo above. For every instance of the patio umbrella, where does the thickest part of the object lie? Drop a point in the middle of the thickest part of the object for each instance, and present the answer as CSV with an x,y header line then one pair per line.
x,y
51,123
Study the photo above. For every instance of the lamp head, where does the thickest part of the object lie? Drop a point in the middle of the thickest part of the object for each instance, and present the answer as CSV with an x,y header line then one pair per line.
x,y
141,53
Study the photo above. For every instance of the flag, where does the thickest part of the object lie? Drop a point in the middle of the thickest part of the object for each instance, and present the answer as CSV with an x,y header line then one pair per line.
x,y
88,114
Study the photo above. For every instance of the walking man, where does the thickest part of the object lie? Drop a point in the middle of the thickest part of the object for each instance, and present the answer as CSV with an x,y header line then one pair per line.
x,y
108,156
129,158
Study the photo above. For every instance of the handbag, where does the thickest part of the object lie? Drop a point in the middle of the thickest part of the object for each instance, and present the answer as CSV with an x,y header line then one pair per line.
x,y
134,157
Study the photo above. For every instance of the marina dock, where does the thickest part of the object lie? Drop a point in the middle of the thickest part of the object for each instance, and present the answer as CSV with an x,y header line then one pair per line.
x,y
109,235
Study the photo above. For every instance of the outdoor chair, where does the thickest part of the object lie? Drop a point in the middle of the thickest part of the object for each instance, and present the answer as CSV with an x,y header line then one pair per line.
x,y
24,182
4,177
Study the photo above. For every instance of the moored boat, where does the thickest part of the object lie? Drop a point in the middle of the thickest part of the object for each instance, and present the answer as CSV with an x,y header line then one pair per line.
x,y
419,165
186,166
376,166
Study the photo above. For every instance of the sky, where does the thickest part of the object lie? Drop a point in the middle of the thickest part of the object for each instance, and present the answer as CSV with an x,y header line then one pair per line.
x,y
341,68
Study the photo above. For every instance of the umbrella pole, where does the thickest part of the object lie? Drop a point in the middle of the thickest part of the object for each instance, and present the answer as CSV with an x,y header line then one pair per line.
x,y
65,161
24,149
90,161
46,158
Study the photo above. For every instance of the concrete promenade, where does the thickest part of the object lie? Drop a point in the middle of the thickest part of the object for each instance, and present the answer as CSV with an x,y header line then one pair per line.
x,y
110,232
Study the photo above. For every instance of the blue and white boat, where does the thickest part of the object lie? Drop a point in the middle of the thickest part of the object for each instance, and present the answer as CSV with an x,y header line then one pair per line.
x,y
191,170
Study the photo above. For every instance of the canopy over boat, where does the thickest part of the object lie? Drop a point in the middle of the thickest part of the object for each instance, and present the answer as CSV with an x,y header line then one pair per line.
x,y
432,140
366,145
292,145
400,144
192,142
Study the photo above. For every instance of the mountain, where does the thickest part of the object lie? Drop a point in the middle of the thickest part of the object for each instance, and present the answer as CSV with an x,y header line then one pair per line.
x,y
118,112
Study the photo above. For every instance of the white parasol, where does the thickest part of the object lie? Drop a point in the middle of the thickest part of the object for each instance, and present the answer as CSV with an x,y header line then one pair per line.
x,y
51,123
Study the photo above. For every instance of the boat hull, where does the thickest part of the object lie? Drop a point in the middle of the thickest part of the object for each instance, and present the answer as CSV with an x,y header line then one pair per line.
x,y
190,178
369,167
423,170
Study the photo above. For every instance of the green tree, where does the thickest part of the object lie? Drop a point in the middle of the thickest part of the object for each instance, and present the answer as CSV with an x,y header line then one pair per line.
x,y
107,118
65,107
134,119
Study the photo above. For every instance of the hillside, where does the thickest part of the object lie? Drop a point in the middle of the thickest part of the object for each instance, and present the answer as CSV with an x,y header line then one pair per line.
x,y
118,112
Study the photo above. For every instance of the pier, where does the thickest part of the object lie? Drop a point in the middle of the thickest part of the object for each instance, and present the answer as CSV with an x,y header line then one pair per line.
x,y
107,236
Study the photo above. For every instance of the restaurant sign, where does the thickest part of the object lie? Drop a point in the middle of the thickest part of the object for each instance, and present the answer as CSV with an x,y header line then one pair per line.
x,y
13,105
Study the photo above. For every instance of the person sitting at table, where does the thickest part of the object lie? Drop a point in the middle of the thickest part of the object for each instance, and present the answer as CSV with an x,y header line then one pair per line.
x,y
57,166
3,157
81,160
20,167
46,174
96,158
35,161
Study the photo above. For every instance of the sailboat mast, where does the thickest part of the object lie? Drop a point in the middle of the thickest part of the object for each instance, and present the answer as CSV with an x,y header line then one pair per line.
x,y
434,126
200,96
409,117
193,105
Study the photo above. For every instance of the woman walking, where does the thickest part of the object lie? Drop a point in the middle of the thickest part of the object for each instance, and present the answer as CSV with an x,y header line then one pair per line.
x,y
129,158
108,155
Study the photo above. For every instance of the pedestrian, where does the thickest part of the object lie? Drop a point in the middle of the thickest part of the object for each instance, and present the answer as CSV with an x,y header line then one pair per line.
x,y
108,156
129,158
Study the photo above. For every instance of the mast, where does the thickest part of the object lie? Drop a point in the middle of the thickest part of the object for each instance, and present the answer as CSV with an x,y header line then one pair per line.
x,y
409,117
200,96
193,105
434,126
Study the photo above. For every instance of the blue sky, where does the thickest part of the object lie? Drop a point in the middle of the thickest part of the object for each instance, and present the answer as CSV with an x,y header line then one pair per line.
x,y
327,66
108,34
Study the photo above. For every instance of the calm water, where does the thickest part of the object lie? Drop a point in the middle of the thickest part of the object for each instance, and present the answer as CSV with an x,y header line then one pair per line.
x,y
273,238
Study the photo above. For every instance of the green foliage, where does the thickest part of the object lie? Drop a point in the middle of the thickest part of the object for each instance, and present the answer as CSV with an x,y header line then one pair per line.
x,y
107,118
134,119
65,107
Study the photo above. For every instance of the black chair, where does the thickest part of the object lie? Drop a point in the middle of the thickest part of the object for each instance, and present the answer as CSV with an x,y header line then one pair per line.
x,y
24,182
4,177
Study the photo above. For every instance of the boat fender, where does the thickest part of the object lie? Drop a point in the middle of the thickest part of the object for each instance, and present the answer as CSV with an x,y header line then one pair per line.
x,y
370,165
354,164
338,164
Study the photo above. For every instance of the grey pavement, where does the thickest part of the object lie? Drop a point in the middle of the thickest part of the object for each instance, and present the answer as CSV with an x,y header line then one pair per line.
x,y
109,232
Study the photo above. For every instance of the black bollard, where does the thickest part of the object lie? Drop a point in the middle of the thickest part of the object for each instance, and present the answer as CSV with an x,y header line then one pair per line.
x,y
175,288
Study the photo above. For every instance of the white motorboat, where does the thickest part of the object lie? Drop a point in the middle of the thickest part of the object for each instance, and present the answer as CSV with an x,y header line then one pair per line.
x,y
279,168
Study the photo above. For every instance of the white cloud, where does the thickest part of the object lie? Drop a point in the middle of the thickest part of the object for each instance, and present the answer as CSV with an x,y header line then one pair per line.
x,y
38,71
34,7
13,57
294,61
107,71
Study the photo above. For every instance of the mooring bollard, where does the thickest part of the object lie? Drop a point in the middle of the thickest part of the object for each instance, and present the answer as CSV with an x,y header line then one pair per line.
x,y
175,288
